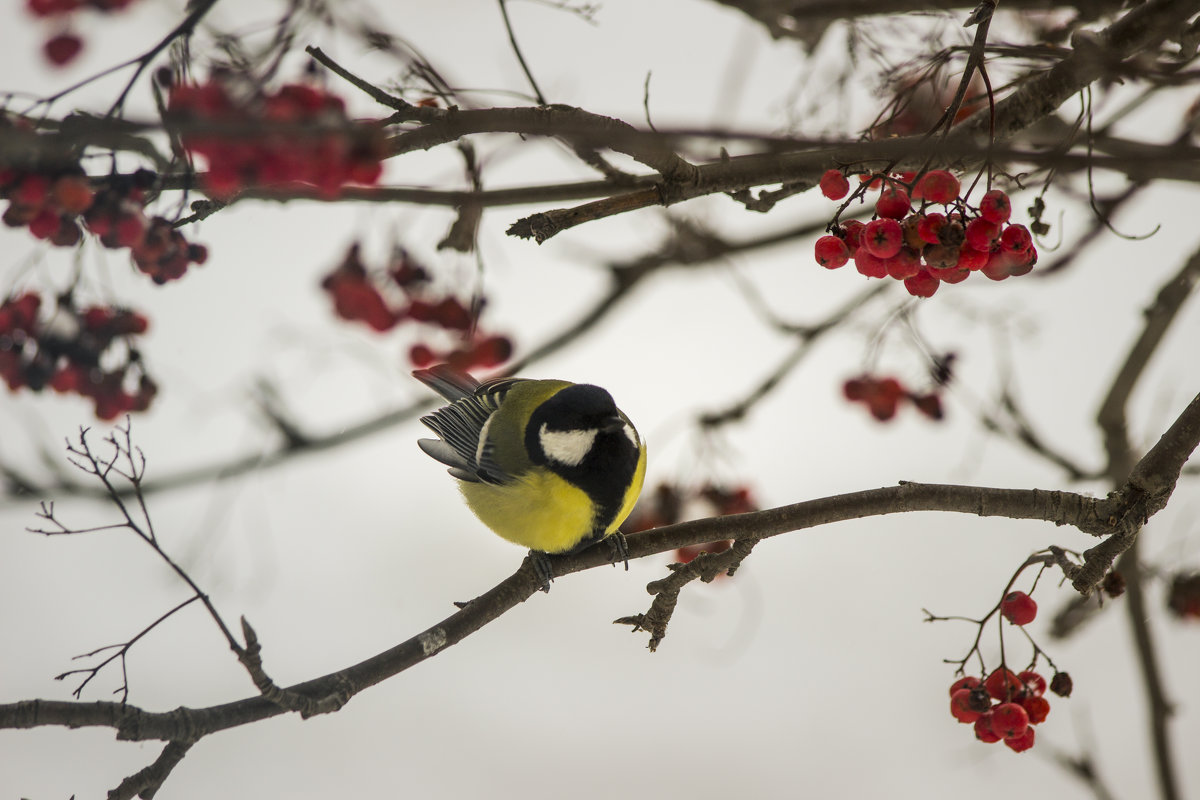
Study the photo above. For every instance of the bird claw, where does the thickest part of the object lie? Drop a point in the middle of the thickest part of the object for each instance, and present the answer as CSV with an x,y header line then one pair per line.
x,y
542,568
619,548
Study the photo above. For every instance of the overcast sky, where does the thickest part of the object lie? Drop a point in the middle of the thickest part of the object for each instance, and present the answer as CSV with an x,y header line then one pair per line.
x,y
809,674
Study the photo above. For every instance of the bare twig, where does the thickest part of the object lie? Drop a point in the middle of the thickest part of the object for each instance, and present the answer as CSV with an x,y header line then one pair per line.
x,y
512,38
146,782
122,650
705,567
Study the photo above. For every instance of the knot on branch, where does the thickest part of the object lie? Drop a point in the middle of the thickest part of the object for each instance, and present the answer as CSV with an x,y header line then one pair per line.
x,y
305,705
705,567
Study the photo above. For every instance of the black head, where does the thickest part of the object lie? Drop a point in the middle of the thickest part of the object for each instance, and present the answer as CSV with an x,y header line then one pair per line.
x,y
574,432
581,436
578,407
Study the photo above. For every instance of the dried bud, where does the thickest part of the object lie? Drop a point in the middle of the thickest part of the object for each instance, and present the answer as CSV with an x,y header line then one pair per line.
x,y
1061,684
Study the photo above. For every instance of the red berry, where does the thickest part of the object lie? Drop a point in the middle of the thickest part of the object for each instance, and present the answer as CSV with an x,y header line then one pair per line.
x,y
981,233
857,389
44,224
68,233
960,707
971,259
953,274
1000,264
131,229
1037,708
883,237
1018,608
1035,684
882,401
983,729
1009,719
922,284
905,264
834,184
893,203
928,227
1016,239
937,186
492,351
869,264
852,230
72,193
67,379
32,190
420,355
50,8
1019,744
129,322
451,314
1022,263
1002,684
939,256
62,48
831,252
994,207
421,311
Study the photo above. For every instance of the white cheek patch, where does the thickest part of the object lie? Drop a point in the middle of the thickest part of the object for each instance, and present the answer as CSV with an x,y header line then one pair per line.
x,y
568,448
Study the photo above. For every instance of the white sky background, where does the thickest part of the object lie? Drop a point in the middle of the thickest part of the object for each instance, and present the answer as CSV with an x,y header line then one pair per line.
x,y
810,674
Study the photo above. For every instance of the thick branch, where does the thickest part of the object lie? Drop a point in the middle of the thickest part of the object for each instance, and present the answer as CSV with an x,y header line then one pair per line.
x,y
574,124
1090,515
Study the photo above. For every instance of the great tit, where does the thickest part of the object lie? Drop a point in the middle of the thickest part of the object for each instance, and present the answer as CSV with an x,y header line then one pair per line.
x,y
549,465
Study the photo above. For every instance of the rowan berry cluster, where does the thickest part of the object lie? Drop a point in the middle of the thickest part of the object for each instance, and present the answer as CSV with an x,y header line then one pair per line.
x,y
51,199
926,248
47,201
1005,706
1183,596
403,293
64,350
65,45
882,397
670,503
297,134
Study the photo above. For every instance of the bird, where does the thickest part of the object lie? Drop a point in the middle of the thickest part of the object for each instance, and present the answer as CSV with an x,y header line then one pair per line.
x,y
550,465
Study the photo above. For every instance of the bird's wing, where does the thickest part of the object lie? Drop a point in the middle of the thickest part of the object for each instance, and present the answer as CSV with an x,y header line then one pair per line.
x,y
462,426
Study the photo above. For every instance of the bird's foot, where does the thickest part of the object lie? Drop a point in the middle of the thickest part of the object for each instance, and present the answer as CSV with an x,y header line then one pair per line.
x,y
542,568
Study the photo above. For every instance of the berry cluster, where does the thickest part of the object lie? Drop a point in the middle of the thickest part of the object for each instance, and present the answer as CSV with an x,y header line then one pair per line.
x,y
926,248
1005,706
1001,704
298,134
669,503
65,45
1183,596
51,198
117,217
47,202
360,296
64,349
882,396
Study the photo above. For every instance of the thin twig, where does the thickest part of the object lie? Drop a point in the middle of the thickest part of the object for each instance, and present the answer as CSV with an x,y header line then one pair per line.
x,y
512,38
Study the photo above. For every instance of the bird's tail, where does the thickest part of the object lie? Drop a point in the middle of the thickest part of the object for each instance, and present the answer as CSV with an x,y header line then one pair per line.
x,y
447,381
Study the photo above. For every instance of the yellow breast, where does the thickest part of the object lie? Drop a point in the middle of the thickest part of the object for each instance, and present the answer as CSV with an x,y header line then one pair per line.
x,y
553,515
